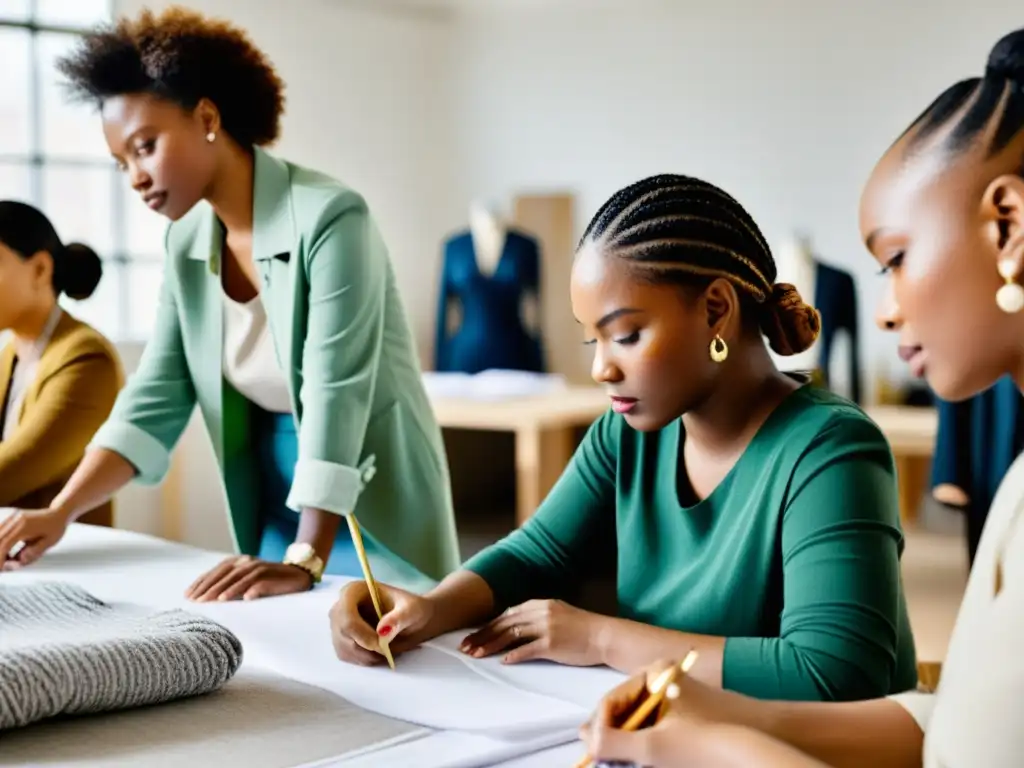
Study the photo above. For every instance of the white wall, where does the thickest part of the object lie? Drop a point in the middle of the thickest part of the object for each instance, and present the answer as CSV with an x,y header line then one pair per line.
x,y
786,104
367,102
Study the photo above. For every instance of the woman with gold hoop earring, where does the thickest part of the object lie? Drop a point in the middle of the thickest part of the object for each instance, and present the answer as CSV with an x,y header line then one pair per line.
x,y
748,515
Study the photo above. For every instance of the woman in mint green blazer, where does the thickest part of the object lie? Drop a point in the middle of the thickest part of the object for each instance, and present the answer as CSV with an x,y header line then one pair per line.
x,y
279,317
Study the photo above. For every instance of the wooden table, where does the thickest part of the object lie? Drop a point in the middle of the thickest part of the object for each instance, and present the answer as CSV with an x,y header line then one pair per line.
x,y
545,428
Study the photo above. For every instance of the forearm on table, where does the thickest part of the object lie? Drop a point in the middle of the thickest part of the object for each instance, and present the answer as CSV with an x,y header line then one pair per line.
x,y
461,601
319,529
878,732
100,475
629,646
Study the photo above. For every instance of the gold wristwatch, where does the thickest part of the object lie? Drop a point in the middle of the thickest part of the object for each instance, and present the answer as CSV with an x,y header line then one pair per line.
x,y
305,557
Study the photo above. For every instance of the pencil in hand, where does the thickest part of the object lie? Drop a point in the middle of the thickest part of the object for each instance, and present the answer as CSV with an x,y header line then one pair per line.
x,y
664,685
371,585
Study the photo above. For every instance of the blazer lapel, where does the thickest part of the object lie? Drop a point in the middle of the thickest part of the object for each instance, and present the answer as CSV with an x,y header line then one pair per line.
x,y
274,249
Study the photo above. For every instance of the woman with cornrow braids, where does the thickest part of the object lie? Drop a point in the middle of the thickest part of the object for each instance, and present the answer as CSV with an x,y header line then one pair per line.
x,y
943,216
749,515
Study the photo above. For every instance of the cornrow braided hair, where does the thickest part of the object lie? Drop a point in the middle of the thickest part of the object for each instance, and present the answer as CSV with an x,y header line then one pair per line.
x,y
681,229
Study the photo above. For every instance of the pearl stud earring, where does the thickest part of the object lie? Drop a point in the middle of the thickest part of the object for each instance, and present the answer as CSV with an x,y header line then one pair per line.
x,y
211,136
1009,298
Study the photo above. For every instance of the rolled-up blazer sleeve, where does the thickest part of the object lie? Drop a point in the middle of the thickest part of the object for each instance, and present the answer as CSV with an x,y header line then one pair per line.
x,y
346,268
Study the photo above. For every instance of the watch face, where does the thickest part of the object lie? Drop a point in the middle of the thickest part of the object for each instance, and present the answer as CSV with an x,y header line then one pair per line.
x,y
299,552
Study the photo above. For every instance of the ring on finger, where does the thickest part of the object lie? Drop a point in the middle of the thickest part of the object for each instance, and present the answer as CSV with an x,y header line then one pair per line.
x,y
517,631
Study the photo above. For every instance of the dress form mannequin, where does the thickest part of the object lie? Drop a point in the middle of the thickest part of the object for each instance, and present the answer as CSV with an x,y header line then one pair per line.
x,y
489,304
489,234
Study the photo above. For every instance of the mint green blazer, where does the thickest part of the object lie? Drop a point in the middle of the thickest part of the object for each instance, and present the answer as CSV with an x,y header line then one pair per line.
x,y
368,439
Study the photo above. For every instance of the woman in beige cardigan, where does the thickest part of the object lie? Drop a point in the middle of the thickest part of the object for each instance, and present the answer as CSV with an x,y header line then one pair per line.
x,y
58,377
943,214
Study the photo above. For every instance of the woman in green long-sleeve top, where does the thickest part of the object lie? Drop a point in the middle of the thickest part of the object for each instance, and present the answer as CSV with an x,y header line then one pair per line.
x,y
752,516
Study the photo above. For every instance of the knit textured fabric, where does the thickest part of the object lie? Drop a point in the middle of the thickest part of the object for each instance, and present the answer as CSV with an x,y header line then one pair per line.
x,y
64,652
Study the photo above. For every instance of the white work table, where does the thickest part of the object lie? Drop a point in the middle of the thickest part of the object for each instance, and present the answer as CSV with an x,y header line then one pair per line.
x,y
292,703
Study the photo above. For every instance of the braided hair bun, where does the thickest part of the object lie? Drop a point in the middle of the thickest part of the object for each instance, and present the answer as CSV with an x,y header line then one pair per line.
x,y
789,323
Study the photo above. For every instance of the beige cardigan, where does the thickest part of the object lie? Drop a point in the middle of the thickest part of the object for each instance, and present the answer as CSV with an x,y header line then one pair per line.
x,y
73,392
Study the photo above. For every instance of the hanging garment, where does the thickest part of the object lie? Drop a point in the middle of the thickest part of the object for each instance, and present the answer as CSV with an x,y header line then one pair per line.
x,y
835,297
977,441
491,333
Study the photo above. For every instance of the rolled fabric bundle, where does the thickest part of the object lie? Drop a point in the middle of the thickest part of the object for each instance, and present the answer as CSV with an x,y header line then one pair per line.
x,y
64,652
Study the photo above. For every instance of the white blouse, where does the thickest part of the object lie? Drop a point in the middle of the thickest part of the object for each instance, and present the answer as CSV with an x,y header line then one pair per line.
x,y
250,361
975,719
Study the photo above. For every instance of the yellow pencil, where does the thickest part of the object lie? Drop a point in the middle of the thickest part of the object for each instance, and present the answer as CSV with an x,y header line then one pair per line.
x,y
371,585
657,691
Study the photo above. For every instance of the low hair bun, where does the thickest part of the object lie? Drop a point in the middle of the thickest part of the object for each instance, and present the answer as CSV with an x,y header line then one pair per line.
x,y
77,271
1006,61
790,324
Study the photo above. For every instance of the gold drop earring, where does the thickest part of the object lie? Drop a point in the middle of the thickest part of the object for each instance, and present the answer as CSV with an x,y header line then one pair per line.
x,y
719,349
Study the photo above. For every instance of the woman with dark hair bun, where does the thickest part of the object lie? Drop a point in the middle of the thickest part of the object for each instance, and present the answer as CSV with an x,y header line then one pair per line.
x,y
58,377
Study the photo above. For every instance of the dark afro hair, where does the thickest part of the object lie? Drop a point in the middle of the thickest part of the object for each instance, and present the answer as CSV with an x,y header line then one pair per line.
x,y
181,56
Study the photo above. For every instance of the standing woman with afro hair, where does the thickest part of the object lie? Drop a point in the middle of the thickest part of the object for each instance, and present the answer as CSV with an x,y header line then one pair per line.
x,y
278,316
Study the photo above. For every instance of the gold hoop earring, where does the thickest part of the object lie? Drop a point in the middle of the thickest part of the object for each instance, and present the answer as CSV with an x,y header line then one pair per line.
x,y
1009,298
211,136
719,349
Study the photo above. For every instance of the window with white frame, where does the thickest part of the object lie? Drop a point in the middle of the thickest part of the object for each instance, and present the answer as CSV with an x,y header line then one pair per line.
x,y
52,154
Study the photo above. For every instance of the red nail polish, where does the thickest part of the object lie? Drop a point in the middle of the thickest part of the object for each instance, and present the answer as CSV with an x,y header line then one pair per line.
x,y
384,631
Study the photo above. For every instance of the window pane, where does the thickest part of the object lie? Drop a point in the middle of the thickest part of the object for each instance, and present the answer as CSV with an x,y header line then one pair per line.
x,y
72,13
144,281
79,201
16,182
14,10
69,129
145,227
15,104
102,310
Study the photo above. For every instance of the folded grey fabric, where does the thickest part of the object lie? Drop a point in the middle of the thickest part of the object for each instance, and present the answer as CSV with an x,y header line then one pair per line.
x,y
64,652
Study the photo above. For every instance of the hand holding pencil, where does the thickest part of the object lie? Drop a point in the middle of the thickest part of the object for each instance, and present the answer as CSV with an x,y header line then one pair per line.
x,y
630,720
371,620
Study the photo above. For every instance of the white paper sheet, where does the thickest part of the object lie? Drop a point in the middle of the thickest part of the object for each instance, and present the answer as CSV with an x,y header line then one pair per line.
x,y
432,686
449,749
435,687
492,385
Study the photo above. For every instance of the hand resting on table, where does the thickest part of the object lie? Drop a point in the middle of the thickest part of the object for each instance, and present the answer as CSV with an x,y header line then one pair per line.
x,y
25,534
248,578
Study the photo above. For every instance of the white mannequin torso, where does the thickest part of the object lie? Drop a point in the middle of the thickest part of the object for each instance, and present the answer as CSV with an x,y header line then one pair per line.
x,y
797,265
488,233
